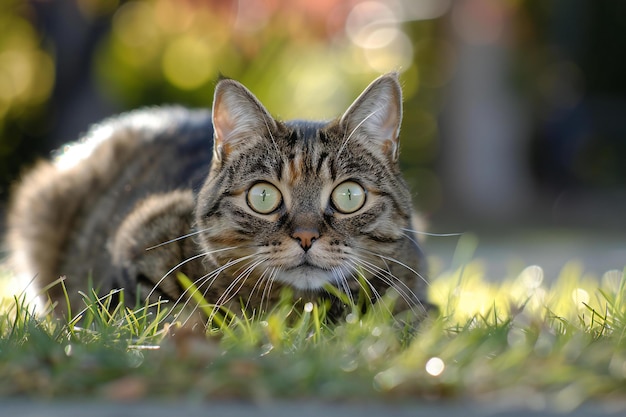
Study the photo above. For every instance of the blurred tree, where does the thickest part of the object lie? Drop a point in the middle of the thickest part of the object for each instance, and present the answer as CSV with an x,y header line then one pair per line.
x,y
26,81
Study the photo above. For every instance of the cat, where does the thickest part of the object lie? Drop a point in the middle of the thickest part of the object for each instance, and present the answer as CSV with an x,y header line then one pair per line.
x,y
241,203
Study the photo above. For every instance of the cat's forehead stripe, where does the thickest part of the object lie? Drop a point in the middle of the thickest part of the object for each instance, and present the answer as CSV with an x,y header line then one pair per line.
x,y
296,168
306,161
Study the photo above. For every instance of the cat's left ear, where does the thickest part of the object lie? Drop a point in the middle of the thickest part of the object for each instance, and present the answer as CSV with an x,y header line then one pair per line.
x,y
375,116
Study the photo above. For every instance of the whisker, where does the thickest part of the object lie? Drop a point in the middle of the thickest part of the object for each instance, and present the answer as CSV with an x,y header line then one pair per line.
x,y
386,308
411,238
267,291
388,277
376,295
257,285
418,232
362,265
200,255
407,294
271,135
200,282
197,232
398,263
160,281
245,275
241,279
211,277
343,282
207,278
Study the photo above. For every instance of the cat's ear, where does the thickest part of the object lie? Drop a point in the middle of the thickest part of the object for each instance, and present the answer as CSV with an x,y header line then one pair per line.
x,y
238,117
375,116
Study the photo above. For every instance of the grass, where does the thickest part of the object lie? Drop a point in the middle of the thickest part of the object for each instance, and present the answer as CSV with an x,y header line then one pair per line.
x,y
520,340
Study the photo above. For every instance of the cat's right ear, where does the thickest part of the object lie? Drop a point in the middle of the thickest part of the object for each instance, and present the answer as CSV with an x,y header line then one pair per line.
x,y
238,117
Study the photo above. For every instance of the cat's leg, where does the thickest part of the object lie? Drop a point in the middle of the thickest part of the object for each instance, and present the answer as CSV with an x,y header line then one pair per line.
x,y
150,248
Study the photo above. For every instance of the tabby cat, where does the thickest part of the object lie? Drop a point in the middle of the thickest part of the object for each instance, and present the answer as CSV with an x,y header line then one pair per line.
x,y
241,203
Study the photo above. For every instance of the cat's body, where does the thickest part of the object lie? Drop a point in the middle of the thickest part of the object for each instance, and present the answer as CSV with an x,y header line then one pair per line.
x,y
267,204
65,214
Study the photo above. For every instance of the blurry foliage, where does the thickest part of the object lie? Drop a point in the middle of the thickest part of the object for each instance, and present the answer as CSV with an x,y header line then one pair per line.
x,y
168,50
302,59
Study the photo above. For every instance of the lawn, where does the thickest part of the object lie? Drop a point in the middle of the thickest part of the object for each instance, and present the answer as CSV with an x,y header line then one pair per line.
x,y
520,342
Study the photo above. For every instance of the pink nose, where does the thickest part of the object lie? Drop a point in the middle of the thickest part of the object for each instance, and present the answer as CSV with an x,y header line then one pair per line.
x,y
306,237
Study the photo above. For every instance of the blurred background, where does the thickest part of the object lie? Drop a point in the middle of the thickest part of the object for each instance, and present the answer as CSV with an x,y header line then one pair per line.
x,y
515,110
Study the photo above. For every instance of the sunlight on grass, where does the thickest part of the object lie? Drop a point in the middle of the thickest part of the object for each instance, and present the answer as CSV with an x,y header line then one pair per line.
x,y
464,294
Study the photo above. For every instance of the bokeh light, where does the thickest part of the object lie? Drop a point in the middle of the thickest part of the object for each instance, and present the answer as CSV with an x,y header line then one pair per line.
x,y
26,71
186,44
435,366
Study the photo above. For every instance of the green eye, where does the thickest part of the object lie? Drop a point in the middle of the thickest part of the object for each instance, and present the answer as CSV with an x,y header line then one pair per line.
x,y
264,198
348,197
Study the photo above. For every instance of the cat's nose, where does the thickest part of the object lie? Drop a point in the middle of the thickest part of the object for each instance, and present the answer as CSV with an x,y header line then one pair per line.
x,y
305,237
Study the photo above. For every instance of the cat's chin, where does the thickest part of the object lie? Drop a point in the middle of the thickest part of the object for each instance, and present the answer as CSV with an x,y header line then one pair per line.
x,y
306,277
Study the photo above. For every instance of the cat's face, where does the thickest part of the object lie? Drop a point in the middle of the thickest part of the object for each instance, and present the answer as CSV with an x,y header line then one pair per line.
x,y
305,204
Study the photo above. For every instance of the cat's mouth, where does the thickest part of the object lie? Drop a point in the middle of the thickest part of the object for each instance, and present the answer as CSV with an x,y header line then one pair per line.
x,y
306,276
308,264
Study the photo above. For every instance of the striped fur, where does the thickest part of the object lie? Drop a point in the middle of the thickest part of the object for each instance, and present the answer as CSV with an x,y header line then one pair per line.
x,y
166,190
